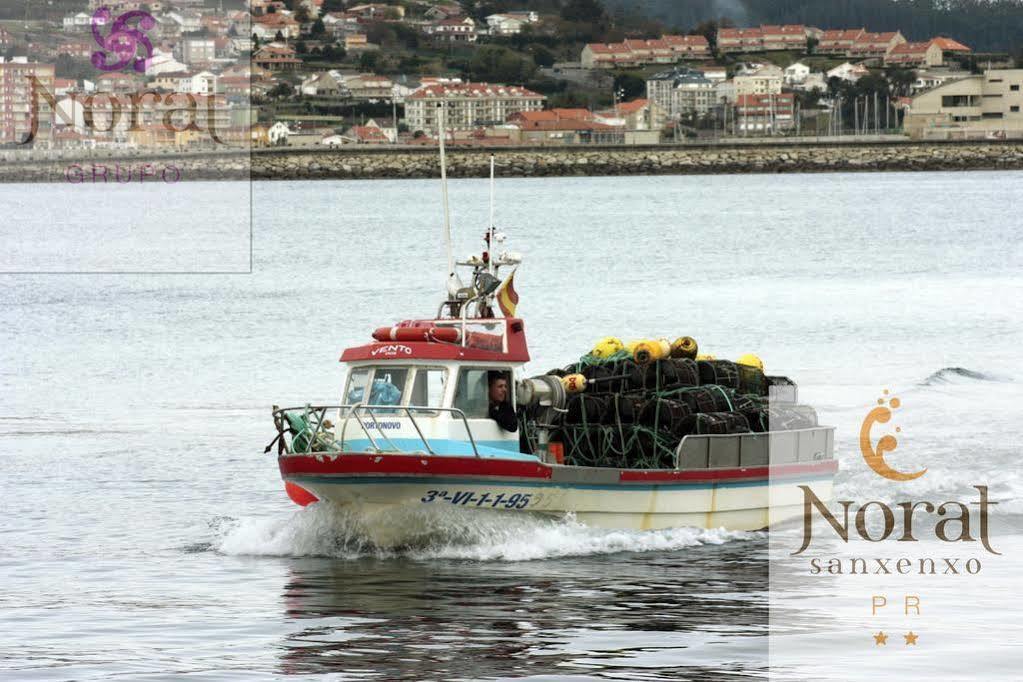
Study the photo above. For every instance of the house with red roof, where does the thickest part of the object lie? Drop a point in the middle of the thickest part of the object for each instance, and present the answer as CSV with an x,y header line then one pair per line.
x,y
740,40
560,126
638,114
838,41
688,47
915,54
667,49
948,45
785,37
452,30
267,26
276,57
875,45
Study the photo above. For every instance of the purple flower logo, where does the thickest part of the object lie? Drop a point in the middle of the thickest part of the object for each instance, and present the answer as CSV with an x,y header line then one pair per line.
x,y
124,42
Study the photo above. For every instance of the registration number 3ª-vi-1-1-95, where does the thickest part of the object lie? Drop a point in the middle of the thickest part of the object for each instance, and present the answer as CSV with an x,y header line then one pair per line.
x,y
469,498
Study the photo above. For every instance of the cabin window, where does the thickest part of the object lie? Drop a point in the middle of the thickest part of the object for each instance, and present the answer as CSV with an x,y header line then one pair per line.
x,y
472,391
357,381
388,385
428,388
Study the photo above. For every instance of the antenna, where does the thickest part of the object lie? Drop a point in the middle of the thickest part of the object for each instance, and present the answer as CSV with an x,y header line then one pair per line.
x,y
490,236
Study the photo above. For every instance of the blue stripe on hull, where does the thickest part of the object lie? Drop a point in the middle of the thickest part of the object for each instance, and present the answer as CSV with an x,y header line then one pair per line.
x,y
488,449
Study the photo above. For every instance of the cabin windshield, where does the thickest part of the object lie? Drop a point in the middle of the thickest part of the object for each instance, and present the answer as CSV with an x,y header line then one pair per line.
x,y
397,385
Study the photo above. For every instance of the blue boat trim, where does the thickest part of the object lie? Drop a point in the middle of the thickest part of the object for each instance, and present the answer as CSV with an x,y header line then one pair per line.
x,y
446,447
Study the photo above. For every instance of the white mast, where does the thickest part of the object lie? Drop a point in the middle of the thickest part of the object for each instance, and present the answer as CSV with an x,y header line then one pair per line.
x,y
442,133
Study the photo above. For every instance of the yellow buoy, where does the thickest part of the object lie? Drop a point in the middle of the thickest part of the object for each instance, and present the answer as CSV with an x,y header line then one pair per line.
x,y
751,360
649,351
705,356
684,347
607,347
574,383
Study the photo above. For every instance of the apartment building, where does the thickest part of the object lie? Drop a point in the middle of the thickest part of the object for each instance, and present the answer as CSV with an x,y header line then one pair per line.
x,y
765,38
681,91
981,105
16,119
761,113
468,105
762,79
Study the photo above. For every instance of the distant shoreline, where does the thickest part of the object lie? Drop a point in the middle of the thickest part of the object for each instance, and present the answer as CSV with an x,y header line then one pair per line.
x,y
393,162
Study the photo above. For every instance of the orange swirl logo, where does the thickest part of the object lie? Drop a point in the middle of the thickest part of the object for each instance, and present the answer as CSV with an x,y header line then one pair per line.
x,y
874,456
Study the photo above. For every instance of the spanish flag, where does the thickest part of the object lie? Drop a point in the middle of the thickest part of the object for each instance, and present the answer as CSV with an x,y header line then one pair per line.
x,y
507,297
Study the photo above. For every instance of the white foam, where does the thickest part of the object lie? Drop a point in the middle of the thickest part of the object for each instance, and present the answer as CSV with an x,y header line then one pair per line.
x,y
326,530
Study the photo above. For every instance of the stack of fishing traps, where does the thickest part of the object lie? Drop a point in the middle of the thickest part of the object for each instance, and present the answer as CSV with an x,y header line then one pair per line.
x,y
631,405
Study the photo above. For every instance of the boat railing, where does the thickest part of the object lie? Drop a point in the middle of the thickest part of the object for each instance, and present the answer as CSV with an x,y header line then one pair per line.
x,y
711,451
318,434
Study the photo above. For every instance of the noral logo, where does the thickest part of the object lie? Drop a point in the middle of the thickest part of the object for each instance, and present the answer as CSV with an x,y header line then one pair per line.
x,y
874,456
126,45
124,41
952,521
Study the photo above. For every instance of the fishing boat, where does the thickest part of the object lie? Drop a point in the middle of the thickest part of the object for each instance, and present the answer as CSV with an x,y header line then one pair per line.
x,y
416,429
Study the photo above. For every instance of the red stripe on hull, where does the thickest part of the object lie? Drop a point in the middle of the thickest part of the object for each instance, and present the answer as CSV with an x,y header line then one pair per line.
x,y
412,464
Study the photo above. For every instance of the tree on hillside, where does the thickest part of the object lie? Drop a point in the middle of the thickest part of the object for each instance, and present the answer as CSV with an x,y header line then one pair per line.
x,y
631,85
541,55
281,91
501,65
318,29
368,60
900,81
709,30
590,11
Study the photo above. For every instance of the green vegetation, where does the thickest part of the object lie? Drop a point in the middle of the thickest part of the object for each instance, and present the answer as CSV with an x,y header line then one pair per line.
x,y
500,65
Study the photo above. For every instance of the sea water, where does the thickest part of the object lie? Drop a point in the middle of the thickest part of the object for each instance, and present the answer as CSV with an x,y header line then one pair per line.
x,y
146,535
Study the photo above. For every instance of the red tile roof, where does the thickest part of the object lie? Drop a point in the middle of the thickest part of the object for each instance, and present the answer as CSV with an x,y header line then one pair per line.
x,y
786,29
686,40
632,107
910,48
369,134
734,33
949,45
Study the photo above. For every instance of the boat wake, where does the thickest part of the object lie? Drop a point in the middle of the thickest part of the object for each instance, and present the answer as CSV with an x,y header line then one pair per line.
x,y
951,375
324,530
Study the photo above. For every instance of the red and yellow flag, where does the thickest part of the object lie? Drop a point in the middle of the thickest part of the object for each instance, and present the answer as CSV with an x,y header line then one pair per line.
x,y
507,297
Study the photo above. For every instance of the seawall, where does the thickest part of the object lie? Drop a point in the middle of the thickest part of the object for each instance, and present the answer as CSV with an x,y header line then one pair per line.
x,y
422,162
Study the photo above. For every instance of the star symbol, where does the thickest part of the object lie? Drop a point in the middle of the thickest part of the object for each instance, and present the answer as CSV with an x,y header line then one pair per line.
x,y
880,638
910,638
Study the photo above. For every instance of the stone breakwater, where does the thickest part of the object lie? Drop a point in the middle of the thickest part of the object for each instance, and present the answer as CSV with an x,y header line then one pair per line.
x,y
419,162
535,162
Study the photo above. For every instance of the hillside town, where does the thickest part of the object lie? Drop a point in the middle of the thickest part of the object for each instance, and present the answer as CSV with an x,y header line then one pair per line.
x,y
325,73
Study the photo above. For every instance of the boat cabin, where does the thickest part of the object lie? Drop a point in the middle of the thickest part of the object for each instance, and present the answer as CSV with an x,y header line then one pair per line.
x,y
423,386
